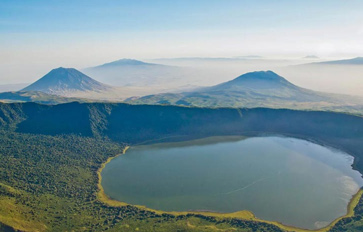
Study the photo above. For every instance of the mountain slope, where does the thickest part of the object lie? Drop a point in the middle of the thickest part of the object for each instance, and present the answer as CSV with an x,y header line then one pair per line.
x,y
62,81
254,80
255,89
128,72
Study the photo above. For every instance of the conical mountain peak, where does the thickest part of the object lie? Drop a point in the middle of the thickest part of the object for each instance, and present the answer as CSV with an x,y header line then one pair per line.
x,y
260,75
255,80
63,80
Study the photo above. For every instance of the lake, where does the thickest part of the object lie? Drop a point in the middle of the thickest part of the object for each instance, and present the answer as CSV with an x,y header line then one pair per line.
x,y
293,181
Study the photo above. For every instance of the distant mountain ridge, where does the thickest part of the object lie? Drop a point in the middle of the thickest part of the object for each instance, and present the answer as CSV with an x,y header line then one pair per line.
x,y
123,62
130,72
196,58
61,81
354,61
254,89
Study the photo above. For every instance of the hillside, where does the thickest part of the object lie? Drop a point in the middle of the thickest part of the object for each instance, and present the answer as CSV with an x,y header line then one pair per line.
x,y
62,81
255,89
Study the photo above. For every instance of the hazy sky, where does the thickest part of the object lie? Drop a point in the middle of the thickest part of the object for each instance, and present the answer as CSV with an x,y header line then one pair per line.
x,y
36,35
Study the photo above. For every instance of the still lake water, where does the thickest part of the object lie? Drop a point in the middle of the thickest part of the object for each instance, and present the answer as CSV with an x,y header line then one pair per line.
x,y
289,180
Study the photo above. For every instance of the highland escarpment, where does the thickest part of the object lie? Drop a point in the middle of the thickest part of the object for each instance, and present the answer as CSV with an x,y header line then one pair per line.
x,y
139,123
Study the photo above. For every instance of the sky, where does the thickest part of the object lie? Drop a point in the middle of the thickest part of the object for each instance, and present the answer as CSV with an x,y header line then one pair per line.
x,y
37,35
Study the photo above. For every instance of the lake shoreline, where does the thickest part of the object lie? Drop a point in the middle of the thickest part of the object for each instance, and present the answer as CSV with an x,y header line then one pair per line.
x,y
244,214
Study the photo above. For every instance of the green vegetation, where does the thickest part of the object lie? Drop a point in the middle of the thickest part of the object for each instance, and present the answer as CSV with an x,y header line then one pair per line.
x,y
354,222
50,156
